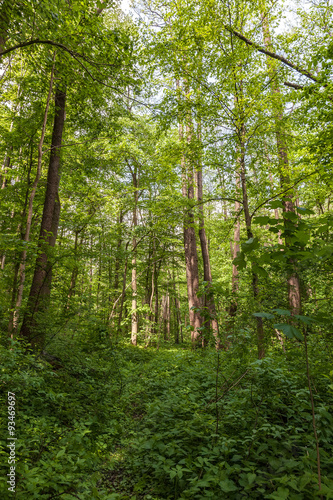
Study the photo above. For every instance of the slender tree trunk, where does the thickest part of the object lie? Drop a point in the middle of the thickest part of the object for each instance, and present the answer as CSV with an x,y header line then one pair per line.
x,y
157,303
152,289
75,270
234,246
119,243
123,293
209,297
26,237
294,291
156,310
148,295
176,308
165,316
255,283
134,332
190,248
41,284
191,256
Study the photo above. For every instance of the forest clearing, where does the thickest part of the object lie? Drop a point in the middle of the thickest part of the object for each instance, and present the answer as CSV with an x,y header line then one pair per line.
x,y
166,249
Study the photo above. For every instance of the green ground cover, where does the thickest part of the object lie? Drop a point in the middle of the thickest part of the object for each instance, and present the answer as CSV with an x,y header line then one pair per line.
x,y
116,422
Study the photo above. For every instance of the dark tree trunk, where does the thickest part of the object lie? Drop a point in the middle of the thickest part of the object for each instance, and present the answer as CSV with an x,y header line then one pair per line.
x,y
26,235
41,284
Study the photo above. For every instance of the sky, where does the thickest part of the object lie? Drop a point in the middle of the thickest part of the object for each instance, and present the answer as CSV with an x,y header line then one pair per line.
x,y
125,5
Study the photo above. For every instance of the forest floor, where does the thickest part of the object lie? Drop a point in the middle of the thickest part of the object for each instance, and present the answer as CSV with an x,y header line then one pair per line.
x,y
115,422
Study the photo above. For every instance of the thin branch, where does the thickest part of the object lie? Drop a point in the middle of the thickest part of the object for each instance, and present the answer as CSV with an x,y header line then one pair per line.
x,y
216,199
282,192
76,56
37,41
229,388
272,54
293,85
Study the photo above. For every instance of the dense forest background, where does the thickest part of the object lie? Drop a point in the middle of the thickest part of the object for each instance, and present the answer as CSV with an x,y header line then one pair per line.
x,y
166,249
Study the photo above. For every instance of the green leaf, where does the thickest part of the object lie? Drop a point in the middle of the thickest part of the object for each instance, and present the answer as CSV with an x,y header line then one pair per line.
x,y
275,204
262,221
274,230
282,312
259,270
305,211
61,453
289,331
305,319
302,237
280,494
251,477
250,245
227,485
240,261
263,315
290,216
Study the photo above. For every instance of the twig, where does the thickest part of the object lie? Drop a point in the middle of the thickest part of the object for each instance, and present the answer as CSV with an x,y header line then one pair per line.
x,y
229,388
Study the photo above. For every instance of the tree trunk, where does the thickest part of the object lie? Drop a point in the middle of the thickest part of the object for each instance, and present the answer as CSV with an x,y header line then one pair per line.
x,y
123,293
75,270
255,284
209,297
42,279
234,246
294,292
156,308
176,309
190,247
119,243
134,332
26,236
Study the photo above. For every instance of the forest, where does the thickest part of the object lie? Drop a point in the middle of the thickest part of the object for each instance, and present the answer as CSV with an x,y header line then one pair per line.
x,y
166,249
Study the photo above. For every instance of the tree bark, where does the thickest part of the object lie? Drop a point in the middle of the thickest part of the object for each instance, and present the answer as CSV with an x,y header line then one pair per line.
x,y
41,284
26,237
134,332
190,247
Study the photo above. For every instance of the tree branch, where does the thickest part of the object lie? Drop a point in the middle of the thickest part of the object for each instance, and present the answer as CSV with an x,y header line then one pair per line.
x,y
293,85
272,54
37,41
283,192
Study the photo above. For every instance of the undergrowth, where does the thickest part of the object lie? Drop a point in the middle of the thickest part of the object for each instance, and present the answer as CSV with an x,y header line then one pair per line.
x,y
117,422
